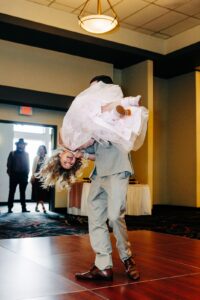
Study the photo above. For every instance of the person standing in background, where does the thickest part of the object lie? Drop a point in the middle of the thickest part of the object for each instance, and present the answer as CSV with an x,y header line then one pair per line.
x,y
18,169
39,194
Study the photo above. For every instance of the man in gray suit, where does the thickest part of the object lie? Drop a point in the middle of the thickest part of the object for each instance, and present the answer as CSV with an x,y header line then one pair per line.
x,y
107,201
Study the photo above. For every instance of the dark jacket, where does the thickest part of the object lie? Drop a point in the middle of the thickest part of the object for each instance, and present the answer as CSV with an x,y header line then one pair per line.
x,y
18,163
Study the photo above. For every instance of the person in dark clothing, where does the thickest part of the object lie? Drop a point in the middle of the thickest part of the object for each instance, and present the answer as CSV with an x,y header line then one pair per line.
x,y
18,169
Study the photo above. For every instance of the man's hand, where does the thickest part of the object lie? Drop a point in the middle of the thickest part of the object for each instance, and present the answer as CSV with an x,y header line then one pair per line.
x,y
87,144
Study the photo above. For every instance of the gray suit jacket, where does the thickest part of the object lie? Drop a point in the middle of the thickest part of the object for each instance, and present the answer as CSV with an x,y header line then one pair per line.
x,y
109,159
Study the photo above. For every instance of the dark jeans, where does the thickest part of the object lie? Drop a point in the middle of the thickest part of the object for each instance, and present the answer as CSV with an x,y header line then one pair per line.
x,y
16,179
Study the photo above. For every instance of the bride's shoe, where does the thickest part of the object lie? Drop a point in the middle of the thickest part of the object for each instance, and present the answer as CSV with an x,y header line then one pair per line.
x,y
122,111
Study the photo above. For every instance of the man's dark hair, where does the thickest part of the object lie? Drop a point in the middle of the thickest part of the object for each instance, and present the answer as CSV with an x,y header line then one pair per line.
x,y
104,78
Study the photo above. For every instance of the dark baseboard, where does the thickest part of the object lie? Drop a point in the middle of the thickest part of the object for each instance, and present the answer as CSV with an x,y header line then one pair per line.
x,y
60,210
158,208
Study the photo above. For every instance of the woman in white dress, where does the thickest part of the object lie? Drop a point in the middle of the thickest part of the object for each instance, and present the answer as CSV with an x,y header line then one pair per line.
x,y
95,113
99,113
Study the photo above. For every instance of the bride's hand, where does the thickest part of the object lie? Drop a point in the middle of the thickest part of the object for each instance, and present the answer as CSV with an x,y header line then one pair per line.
x,y
78,154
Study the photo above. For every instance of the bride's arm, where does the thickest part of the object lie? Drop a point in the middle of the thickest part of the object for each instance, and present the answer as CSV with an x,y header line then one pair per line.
x,y
85,155
86,152
60,140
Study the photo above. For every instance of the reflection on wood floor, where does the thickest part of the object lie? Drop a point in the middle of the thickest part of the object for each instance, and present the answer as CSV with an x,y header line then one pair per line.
x,y
43,269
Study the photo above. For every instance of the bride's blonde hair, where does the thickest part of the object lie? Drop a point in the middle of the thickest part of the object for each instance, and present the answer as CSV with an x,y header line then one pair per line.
x,y
52,172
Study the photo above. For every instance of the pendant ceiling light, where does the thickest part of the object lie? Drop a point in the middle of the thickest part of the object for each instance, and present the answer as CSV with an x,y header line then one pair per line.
x,y
98,23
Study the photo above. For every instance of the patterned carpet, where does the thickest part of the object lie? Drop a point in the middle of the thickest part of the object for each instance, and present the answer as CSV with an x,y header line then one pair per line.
x,y
22,225
169,219
177,221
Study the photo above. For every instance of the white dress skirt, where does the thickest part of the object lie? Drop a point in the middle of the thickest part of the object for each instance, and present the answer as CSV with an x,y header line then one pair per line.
x,y
84,120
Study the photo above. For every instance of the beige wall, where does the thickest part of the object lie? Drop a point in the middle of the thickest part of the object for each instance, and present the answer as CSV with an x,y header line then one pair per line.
x,y
160,141
175,141
181,148
134,82
40,116
138,80
47,71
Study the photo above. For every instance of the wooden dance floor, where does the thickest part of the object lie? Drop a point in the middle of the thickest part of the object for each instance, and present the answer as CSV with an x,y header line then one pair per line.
x,y
43,269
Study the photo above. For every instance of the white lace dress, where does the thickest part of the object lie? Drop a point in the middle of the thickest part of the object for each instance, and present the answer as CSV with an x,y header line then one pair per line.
x,y
84,120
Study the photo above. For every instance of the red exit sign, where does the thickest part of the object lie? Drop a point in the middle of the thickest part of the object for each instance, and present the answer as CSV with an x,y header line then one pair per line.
x,y
25,110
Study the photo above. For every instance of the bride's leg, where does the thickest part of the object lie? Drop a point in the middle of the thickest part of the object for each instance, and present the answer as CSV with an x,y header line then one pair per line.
x,y
131,101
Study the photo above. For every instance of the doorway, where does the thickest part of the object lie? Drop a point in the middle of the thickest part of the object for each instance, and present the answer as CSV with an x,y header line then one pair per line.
x,y
34,135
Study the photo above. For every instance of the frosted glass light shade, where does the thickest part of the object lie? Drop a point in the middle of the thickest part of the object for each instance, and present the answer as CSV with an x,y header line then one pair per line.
x,y
98,23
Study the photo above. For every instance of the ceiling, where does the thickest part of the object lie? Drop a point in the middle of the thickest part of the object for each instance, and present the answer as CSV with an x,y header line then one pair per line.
x,y
165,31
160,18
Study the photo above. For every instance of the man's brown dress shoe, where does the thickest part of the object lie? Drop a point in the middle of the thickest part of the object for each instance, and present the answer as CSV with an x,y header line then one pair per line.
x,y
131,269
96,274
